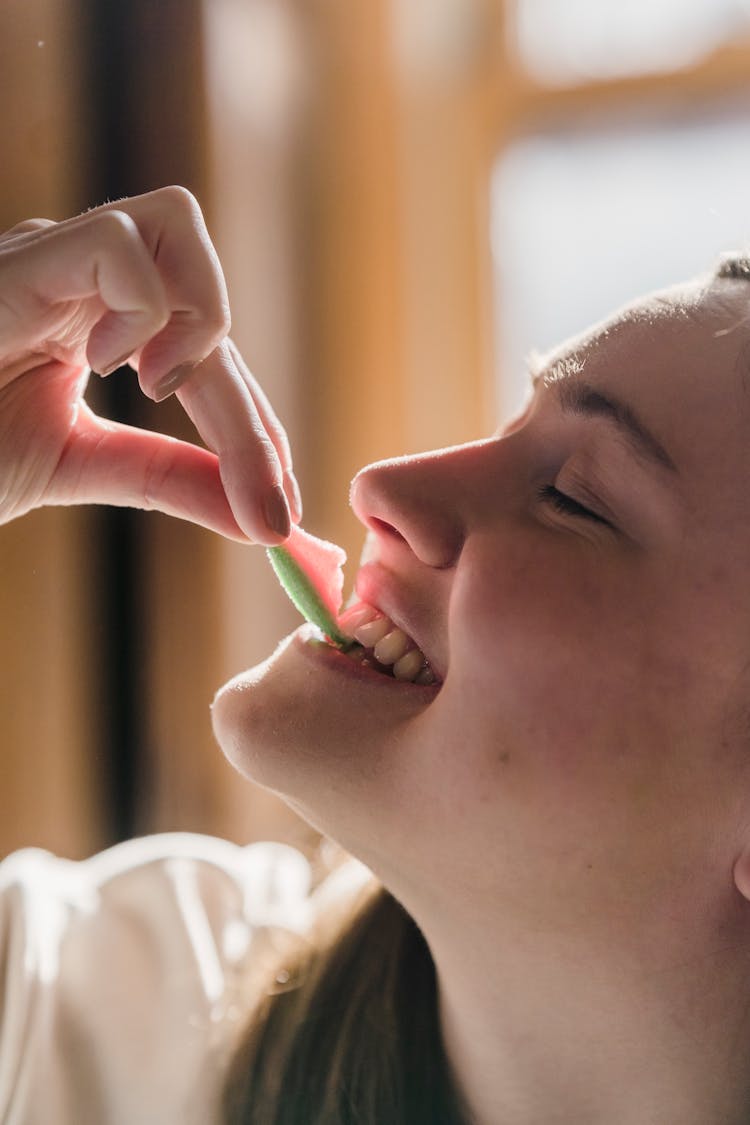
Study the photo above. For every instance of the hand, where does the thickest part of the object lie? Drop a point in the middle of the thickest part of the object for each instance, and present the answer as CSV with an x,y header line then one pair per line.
x,y
136,281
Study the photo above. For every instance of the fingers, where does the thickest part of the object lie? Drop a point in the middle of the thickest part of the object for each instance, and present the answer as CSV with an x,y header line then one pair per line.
x,y
222,409
47,271
233,489
171,225
274,429
150,291
28,226
244,487
153,274
109,463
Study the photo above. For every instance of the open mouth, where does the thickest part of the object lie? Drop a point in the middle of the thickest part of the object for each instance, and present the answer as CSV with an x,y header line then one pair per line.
x,y
378,643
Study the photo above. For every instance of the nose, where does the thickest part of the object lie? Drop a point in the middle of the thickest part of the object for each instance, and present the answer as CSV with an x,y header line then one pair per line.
x,y
424,501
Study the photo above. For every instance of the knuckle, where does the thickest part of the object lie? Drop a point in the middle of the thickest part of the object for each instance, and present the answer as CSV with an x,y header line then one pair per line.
x,y
155,475
278,437
216,322
29,226
220,320
181,197
285,448
25,233
114,225
159,313
264,457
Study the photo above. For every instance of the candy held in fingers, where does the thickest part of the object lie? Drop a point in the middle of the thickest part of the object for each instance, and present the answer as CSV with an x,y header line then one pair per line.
x,y
310,572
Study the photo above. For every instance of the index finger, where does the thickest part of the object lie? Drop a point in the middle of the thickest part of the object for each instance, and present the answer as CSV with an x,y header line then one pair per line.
x,y
221,407
172,226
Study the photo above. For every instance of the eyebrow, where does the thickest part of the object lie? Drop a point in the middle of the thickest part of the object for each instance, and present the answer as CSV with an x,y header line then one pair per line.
x,y
578,397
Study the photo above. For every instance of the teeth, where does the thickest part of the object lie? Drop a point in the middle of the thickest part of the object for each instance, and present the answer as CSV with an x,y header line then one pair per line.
x,y
388,648
392,647
357,615
373,631
410,666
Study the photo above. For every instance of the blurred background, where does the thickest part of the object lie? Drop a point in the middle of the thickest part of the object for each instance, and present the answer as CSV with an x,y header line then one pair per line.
x,y
407,196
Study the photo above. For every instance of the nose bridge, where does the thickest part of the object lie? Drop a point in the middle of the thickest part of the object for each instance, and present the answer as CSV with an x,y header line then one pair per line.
x,y
430,499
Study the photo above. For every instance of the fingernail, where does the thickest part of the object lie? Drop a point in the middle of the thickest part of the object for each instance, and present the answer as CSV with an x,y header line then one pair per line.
x,y
278,518
296,496
113,366
173,381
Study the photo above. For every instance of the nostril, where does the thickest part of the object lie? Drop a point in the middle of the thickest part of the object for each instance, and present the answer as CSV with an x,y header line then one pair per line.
x,y
434,545
386,529
401,503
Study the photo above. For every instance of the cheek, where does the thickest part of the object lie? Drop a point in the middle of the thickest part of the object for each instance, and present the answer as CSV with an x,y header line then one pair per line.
x,y
575,721
570,651
528,620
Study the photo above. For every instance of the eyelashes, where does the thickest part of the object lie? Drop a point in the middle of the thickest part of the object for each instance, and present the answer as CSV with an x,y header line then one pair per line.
x,y
565,504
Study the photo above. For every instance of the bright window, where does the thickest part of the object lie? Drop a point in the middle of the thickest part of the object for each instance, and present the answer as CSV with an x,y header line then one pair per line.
x,y
562,41
585,220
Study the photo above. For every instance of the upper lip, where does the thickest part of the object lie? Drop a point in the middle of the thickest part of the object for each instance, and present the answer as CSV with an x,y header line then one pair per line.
x,y
378,589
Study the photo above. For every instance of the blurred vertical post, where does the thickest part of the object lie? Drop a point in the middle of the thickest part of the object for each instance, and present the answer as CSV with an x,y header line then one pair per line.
x,y
398,153
213,607
49,702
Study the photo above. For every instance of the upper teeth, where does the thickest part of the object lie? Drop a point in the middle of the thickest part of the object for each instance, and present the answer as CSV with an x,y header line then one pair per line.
x,y
390,646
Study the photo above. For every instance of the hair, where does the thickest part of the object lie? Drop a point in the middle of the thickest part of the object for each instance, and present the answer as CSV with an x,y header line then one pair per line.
x,y
354,1037
734,265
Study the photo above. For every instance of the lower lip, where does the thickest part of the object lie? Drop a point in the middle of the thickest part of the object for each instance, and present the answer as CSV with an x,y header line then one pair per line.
x,y
319,652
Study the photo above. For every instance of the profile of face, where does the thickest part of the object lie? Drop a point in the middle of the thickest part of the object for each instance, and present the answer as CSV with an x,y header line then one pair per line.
x,y
580,585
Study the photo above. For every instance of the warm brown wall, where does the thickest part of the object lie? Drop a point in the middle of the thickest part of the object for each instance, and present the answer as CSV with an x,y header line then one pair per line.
x,y
48,697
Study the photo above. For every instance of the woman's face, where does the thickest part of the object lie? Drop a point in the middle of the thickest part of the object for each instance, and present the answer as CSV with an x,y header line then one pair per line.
x,y
588,740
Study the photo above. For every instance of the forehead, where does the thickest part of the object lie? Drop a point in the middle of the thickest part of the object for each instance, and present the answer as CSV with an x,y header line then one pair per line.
x,y
711,312
681,358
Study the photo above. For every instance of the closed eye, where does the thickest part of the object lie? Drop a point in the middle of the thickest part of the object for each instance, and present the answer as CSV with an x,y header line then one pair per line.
x,y
561,502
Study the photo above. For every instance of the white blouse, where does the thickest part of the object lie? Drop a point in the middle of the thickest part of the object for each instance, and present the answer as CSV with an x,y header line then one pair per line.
x,y
124,976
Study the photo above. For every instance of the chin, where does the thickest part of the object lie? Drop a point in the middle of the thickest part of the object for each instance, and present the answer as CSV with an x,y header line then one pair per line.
x,y
265,719
312,728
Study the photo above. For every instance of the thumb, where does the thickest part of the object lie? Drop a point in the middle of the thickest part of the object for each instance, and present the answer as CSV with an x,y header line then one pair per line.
x,y
109,463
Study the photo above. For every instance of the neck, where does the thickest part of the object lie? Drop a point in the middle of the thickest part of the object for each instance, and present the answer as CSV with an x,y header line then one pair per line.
x,y
601,1028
